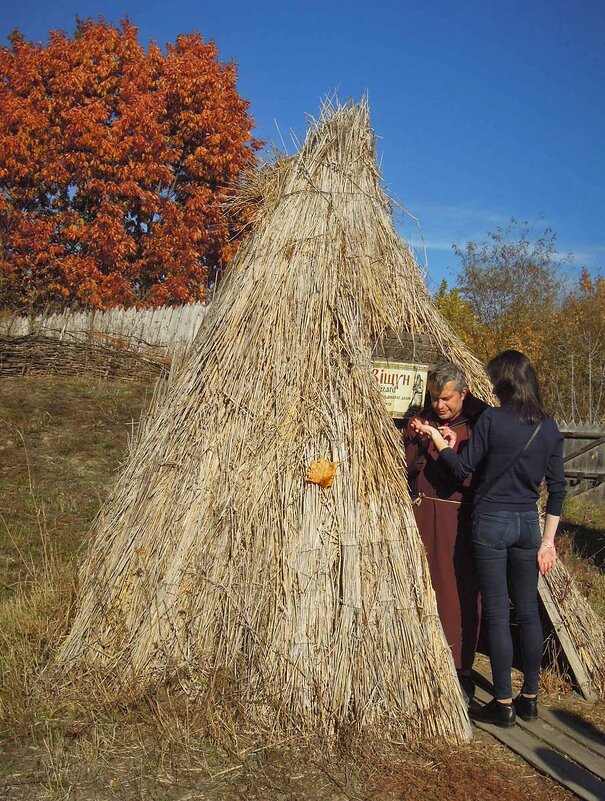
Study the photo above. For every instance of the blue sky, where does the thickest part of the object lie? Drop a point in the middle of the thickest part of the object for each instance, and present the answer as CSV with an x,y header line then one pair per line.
x,y
484,110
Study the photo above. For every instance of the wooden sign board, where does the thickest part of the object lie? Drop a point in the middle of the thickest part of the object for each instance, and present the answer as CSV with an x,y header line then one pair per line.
x,y
409,348
402,384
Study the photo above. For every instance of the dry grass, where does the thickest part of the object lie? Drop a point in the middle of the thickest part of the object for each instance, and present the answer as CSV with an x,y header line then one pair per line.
x,y
135,761
61,441
581,543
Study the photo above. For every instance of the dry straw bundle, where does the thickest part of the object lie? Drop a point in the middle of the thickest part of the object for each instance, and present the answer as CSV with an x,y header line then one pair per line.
x,y
214,554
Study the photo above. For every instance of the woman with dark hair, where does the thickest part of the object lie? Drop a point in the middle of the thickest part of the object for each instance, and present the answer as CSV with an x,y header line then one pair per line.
x,y
515,446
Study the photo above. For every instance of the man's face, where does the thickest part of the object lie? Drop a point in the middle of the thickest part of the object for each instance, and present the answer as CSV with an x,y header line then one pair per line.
x,y
447,401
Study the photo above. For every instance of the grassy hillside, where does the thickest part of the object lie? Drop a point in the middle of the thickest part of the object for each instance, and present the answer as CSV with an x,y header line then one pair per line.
x,y
61,442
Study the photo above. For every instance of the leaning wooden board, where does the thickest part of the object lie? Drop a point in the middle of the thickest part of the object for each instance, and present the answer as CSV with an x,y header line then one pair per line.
x,y
582,678
573,757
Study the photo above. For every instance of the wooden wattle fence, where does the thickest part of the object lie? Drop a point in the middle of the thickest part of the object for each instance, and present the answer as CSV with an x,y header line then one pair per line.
x,y
127,344
152,332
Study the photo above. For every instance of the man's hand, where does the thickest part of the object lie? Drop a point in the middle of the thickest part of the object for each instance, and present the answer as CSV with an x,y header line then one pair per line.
x,y
415,427
433,433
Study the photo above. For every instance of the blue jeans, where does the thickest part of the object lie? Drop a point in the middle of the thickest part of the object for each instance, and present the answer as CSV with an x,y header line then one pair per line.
x,y
505,548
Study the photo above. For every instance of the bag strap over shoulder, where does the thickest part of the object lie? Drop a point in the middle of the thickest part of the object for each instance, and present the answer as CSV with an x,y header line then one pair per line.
x,y
510,464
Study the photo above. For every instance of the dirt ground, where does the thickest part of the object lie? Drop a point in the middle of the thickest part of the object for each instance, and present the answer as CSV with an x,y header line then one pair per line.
x,y
87,769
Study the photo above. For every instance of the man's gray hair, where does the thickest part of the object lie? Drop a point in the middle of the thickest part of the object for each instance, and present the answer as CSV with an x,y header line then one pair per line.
x,y
445,372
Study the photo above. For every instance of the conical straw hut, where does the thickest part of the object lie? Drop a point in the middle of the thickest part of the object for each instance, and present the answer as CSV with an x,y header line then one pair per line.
x,y
215,554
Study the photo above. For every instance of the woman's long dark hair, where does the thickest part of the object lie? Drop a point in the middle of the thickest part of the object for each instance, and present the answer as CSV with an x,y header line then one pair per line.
x,y
515,382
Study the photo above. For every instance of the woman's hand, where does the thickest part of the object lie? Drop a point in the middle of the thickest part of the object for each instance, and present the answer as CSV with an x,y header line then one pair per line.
x,y
449,435
414,422
421,427
547,553
547,557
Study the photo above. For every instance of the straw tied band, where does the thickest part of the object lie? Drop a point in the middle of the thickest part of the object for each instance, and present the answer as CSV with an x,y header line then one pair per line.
x,y
421,497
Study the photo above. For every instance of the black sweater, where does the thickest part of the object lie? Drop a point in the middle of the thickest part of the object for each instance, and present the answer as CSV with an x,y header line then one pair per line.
x,y
497,437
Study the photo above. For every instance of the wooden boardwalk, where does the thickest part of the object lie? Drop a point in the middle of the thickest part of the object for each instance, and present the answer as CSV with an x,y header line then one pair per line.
x,y
558,744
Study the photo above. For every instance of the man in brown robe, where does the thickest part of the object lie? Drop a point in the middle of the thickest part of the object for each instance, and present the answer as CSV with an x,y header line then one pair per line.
x,y
443,511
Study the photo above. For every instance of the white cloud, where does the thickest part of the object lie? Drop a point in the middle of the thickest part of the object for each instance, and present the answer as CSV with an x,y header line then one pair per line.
x,y
431,230
442,225
589,256
458,214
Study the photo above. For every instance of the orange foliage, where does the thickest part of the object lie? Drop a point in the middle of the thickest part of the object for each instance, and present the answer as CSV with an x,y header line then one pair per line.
x,y
114,165
322,472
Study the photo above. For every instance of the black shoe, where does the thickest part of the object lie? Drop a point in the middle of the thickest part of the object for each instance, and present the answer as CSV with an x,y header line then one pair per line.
x,y
467,685
526,708
496,713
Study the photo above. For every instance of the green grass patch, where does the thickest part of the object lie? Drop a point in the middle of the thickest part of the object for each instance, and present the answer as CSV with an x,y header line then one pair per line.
x,y
61,441
582,544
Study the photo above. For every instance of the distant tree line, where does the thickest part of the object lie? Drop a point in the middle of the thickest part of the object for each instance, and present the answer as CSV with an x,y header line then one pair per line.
x,y
511,292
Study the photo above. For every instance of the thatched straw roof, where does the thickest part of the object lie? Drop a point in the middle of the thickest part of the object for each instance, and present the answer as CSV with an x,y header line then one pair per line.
x,y
214,554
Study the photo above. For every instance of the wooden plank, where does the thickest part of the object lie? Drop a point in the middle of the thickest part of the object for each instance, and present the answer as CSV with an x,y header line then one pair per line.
x,y
571,435
579,730
578,741
552,749
581,676
549,761
594,474
406,347
568,723
560,741
585,449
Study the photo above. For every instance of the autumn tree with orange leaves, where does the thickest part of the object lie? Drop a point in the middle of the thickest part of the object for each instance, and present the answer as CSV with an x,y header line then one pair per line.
x,y
114,165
